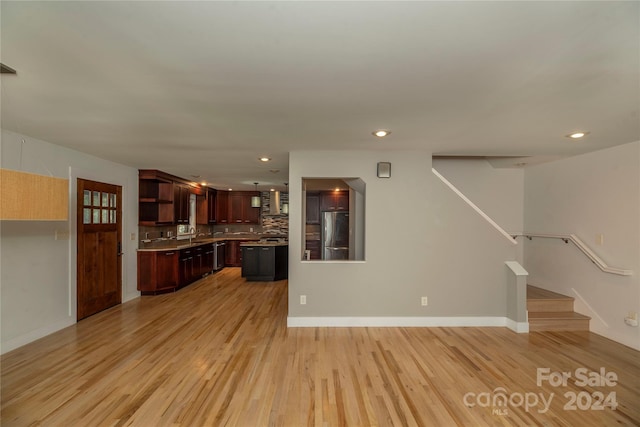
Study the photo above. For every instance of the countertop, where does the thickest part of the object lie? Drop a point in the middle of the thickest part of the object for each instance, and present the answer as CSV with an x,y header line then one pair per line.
x,y
172,244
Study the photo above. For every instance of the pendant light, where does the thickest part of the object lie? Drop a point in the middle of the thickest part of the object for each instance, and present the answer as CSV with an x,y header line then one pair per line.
x,y
285,206
255,200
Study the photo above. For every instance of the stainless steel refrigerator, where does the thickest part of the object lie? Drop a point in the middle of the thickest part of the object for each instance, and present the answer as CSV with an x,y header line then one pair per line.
x,y
335,235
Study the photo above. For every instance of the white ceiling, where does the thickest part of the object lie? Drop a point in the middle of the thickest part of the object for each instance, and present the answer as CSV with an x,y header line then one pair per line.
x,y
205,88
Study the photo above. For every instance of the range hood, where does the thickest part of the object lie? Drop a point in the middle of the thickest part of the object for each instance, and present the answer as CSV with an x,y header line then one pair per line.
x,y
274,203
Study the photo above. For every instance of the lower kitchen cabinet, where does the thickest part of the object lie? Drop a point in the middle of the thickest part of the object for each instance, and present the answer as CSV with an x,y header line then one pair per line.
x,y
265,263
185,267
167,271
233,253
157,272
313,246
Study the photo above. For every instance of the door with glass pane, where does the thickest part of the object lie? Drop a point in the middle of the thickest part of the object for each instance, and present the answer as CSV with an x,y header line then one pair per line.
x,y
99,278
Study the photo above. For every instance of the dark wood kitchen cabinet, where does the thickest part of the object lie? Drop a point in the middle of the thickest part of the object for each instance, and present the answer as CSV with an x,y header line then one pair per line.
x,y
206,207
314,248
313,208
232,255
157,272
209,258
334,201
171,269
185,267
222,207
181,194
240,209
155,196
163,198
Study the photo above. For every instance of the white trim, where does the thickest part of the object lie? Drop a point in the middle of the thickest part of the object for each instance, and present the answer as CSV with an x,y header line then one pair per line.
x,y
333,261
310,322
516,268
29,337
475,207
519,327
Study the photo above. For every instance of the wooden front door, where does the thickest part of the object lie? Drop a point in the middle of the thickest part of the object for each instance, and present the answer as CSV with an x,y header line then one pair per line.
x,y
99,247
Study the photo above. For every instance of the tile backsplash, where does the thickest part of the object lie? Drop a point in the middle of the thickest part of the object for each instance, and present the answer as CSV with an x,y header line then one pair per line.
x,y
270,224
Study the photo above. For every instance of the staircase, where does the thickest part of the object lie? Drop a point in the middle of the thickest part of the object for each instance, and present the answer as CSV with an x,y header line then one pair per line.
x,y
549,311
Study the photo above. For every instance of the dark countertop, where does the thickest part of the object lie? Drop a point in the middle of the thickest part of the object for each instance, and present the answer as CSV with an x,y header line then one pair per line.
x,y
173,244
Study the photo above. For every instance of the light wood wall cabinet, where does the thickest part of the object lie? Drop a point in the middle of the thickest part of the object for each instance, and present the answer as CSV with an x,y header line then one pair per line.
x,y
27,196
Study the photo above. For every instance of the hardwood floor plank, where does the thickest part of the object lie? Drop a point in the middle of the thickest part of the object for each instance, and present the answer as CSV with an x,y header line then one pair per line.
x,y
218,353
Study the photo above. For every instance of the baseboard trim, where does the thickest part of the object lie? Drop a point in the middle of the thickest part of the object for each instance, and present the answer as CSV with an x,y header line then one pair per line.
x,y
310,322
35,335
519,327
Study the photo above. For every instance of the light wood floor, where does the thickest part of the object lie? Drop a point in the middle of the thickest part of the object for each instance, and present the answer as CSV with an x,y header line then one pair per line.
x,y
218,353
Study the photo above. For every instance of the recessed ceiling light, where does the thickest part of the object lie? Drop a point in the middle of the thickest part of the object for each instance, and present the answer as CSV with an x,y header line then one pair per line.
x,y
230,189
272,189
264,159
381,133
577,135
203,183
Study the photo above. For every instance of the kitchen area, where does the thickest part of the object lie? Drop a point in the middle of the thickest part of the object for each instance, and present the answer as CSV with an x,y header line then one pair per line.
x,y
188,230
333,219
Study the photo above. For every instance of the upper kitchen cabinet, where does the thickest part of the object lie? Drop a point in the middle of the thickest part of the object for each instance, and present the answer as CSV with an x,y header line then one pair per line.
x,y
222,207
156,194
313,208
181,194
240,209
163,198
206,207
334,201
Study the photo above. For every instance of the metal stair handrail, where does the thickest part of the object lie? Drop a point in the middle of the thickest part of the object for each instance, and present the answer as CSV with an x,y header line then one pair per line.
x,y
583,247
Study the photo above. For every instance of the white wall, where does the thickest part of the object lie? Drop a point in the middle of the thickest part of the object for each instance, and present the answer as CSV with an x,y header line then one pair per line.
x,y
38,272
587,195
420,239
498,192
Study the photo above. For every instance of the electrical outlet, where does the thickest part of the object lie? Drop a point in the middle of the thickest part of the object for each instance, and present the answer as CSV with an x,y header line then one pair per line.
x,y
250,229
303,299
226,230
600,239
424,301
133,236
631,319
